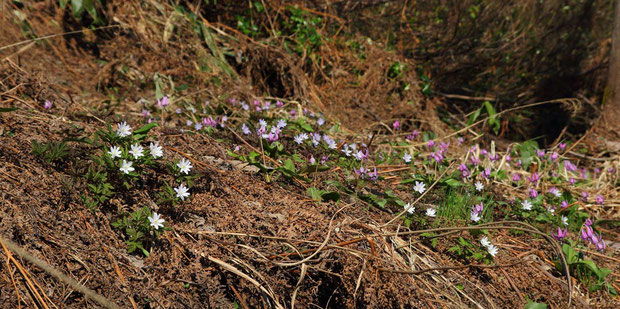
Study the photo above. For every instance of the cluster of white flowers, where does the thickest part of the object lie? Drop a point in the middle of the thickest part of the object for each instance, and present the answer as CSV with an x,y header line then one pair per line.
x,y
491,249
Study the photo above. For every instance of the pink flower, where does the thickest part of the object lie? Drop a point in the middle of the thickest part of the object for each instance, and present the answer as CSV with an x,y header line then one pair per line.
x,y
569,166
600,199
533,193
516,177
279,104
534,178
562,146
396,125
540,153
560,235
47,104
564,204
163,102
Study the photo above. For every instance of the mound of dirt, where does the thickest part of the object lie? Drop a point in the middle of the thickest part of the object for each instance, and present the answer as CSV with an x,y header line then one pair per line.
x,y
241,241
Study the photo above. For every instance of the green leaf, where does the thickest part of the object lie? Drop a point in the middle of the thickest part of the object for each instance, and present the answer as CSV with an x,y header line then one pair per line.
x,y
330,196
146,128
453,182
315,193
474,116
493,121
7,109
532,305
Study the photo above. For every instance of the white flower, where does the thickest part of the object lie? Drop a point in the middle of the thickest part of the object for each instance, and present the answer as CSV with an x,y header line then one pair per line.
x,y
431,212
526,205
281,124
555,192
115,152
123,129
410,208
320,121
245,129
565,220
551,210
182,191
492,250
479,186
184,166
126,167
300,138
136,151
419,187
359,155
156,221
474,216
156,150
484,241
407,158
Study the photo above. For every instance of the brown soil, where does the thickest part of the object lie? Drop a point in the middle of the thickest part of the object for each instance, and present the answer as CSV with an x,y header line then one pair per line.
x,y
42,211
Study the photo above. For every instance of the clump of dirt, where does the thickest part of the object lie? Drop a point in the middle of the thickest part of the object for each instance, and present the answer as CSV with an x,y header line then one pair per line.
x,y
240,240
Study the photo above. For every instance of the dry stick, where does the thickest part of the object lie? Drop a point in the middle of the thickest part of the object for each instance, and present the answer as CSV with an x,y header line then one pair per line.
x,y
59,275
55,35
245,276
34,293
421,196
487,118
417,272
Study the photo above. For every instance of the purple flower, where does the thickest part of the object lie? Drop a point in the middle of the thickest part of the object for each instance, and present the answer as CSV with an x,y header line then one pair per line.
x,y
518,164
555,192
533,193
516,177
459,141
611,170
560,235
474,160
163,102
584,196
233,101
600,199
534,178
562,146
437,156
320,122
564,204
279,104
483,152
47,104
493,157
464,171
396,125
584,173
508,158
267,105
293,113
245,106
326,157
572,181
146,113
312,160
540,153
209,122
486,173
478,208
256,103
570,167
554,156
373,175
588,222
430,144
